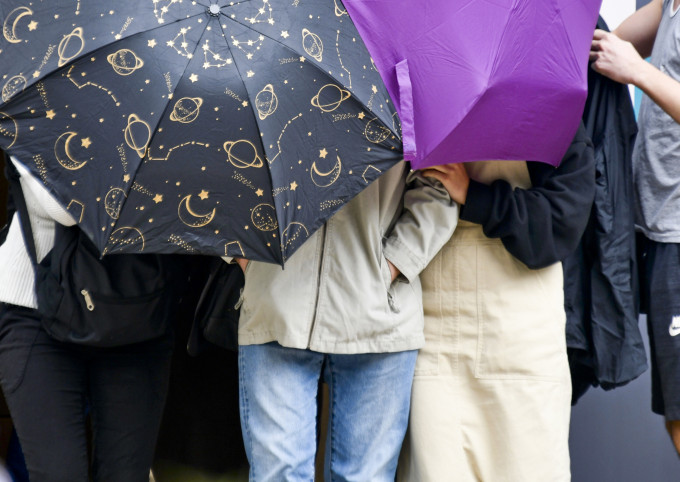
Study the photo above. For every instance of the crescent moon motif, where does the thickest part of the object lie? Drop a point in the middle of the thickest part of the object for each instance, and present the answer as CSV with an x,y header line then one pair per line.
x,y
10,32
191,218
66,160
325,179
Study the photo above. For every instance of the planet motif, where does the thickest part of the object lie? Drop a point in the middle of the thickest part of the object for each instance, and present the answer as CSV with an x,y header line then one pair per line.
x,y
13,86
242,154
137,134
113,202
339,11
125,62
375,132
8,128
70,46
294,235
263,217
186,110
329,97
124,237
312,44
266,102
396,122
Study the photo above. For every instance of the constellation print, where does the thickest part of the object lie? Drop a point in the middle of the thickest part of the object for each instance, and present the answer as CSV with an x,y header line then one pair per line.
x,y
90,84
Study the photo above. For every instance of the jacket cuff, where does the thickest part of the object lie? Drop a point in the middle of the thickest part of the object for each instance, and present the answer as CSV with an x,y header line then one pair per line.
x,y
478,203
407,262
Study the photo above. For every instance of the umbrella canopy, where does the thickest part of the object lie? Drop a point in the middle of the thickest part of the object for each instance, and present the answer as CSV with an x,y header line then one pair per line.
x,y
481,79
214,126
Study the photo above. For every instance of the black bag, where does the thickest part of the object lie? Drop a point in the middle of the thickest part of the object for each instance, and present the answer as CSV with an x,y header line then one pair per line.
x,y
84,299
218,309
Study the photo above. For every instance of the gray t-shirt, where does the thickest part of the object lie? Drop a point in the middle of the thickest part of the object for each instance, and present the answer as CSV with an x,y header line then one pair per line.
x,y
656,157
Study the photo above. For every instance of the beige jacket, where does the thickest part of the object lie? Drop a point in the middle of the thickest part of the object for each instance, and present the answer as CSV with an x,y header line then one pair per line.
x,y
334,294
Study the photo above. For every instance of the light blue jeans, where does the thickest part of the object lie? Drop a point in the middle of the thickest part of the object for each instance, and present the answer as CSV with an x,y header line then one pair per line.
x,y
369,406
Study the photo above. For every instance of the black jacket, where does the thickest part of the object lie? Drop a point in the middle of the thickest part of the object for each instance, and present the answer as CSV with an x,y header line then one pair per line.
x,y
603,336
541,225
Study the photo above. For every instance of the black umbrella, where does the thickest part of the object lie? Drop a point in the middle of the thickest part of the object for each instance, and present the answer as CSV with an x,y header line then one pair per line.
x,y
215,127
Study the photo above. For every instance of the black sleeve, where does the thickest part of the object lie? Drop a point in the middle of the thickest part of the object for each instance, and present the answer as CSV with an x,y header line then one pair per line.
x,y
543,224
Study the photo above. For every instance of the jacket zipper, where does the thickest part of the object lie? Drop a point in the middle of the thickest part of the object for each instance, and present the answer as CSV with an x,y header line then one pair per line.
x,y
318,283
88,299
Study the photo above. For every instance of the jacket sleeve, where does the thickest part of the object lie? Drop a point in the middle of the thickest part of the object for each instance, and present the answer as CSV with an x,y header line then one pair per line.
x,y
541,225
426,223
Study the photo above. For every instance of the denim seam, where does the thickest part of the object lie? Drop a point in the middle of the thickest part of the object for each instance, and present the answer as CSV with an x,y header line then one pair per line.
x,y
18,383
246,410
331,413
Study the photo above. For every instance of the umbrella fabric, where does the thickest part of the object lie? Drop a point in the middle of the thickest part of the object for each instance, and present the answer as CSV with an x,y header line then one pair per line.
x,y
215,127
481,79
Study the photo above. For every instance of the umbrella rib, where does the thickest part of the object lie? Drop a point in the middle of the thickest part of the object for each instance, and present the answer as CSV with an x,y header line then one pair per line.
x,y
245,87
167,106
312,62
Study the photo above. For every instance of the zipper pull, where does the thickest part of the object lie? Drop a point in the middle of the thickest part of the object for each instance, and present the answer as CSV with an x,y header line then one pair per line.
x,y
88,299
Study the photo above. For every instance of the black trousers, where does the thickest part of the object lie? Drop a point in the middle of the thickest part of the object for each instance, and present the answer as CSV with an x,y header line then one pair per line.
x,y
50,387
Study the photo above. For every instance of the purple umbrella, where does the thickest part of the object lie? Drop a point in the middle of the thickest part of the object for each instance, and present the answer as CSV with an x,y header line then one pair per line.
x,y
481,79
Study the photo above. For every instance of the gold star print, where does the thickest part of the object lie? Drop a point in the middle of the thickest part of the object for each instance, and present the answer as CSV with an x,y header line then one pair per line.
x,y
126,178
203,194
250,73
285,34
259,193
33,25
50,114
374,89
244,103
36,74
85,142
152,43
361,115
323,153
193,77
158,198
293,186
302,59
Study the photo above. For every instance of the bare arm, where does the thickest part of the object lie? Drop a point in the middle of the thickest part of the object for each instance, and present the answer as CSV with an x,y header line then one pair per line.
x,y
640,28
618,60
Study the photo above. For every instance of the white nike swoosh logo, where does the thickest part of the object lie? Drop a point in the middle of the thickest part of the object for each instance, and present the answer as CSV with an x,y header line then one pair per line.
x,y
674,330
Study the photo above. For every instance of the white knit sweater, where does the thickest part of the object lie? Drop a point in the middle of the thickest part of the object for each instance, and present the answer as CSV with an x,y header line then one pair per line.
x,y
16,271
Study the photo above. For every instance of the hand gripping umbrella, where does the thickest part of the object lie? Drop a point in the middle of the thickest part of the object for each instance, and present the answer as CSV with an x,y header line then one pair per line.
x,y
481,79
210,126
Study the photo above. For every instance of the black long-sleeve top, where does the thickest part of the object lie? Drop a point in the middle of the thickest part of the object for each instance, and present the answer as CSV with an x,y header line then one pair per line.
x,y
543,224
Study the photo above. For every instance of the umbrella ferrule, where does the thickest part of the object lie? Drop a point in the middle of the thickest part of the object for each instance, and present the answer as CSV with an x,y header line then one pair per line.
x,y
214,10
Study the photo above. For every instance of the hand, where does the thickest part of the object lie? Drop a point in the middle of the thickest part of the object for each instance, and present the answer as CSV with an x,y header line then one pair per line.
x,y
454,177
394,271
615,58
243,263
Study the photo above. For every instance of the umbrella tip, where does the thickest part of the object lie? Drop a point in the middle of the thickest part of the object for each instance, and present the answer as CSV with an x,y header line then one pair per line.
x,y
214,10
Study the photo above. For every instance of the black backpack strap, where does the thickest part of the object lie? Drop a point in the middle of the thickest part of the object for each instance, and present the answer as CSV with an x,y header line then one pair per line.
x,y
11,209
19,204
